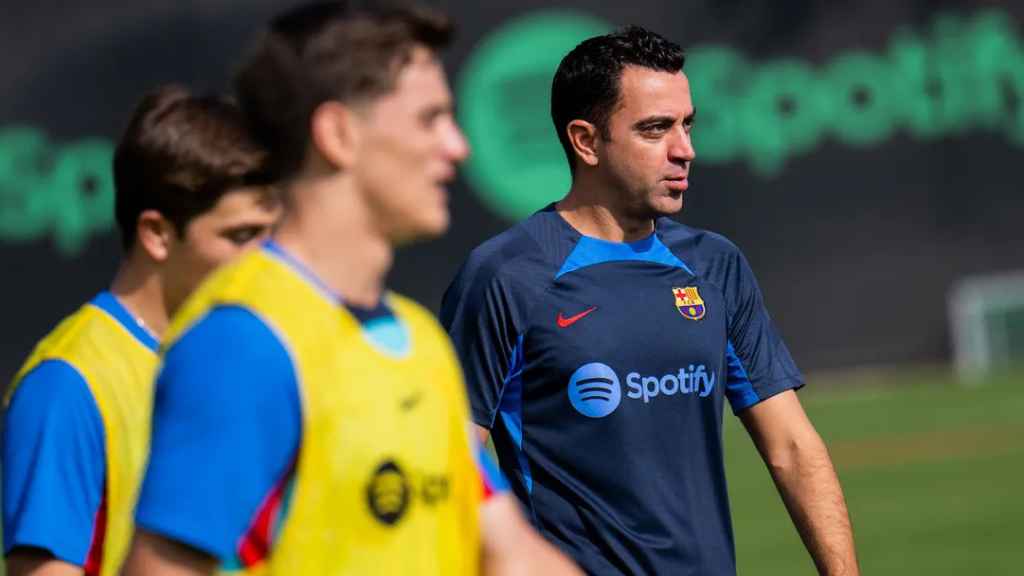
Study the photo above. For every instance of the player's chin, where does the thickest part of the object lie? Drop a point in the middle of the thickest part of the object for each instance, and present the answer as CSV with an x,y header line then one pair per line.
x,y
666,204
435,215
427,224
437,224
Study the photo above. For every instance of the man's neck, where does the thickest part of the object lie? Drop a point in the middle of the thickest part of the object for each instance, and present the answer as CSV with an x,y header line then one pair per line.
x,y
594,210
137,287
331,232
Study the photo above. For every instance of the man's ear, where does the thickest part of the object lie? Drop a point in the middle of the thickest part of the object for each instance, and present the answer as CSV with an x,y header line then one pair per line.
x,y
585,140
334,134
154,234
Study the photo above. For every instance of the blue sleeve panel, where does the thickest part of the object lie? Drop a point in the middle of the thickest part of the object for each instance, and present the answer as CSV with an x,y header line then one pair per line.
x,y
494,481
226,427
54,463
757,362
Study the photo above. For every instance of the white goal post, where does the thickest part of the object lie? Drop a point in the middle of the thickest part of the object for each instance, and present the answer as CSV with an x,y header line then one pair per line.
x,y
987,323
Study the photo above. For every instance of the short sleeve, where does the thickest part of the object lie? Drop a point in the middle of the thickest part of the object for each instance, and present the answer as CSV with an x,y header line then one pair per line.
x,y
483,321
226,429
490,476
759,365
54,463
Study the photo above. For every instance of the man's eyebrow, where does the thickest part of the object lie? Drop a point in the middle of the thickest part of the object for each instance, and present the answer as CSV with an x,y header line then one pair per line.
x,y
652,120
435,110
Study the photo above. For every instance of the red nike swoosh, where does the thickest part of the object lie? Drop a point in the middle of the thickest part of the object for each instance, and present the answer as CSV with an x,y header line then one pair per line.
x,y
564,322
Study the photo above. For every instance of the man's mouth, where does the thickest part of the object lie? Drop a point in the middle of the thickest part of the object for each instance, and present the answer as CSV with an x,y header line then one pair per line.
x,y
445,177
677,183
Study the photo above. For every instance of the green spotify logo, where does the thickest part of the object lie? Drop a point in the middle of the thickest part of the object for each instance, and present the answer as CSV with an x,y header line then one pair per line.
x,y
64,191
963,74
504,101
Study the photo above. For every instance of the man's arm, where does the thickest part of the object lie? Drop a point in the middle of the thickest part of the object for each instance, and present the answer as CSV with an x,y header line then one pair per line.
x,y
482,434
53,472
226,426
799,463
154,555
511,547
38,562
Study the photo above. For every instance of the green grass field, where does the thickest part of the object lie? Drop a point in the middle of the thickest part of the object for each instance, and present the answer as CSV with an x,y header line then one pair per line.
x,y
933,474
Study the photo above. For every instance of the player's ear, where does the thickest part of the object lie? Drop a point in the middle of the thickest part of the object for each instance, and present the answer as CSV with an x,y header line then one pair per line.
x,y
154,234
584,138
334,134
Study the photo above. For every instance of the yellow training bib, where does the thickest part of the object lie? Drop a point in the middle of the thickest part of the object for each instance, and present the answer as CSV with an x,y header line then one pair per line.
x,y
118,366
385,481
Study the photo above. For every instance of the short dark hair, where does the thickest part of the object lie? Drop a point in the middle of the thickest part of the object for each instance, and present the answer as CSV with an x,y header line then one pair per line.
x,y
347,51
179,155
587,84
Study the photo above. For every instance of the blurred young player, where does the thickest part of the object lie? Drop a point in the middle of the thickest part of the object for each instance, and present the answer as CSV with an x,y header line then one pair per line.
x,y
190,194
307,420
601,340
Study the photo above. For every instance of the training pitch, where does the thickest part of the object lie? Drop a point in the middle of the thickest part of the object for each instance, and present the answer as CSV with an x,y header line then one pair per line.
x,y
933,473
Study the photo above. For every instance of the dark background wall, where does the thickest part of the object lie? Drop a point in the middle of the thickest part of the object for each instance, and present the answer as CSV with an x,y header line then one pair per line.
x,y
864,154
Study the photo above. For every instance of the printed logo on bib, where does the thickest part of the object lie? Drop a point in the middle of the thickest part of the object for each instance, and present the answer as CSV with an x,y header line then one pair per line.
x,y
388,493
392,488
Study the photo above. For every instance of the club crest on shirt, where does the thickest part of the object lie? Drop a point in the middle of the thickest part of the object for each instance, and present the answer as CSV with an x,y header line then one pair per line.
x,y
689,303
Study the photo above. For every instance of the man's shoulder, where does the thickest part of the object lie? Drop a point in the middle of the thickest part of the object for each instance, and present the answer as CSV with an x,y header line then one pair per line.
x,y
523,252
81,340
507,271
86,327
215,333
707,253
55,383
695,241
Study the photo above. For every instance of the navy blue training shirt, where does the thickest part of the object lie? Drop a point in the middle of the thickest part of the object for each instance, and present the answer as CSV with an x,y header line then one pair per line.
x,y
602,370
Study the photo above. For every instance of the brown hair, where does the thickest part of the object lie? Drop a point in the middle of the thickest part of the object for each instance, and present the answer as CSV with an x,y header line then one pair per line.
x,y
347,51
179,155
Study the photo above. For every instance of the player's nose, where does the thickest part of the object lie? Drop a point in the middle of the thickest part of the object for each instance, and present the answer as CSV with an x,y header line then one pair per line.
x,y
456,147
681,148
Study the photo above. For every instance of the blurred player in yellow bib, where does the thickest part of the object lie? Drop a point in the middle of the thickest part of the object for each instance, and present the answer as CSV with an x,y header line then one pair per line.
x,y
190,194
306,419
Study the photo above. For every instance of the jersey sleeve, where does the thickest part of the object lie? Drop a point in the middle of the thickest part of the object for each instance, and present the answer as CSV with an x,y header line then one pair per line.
x,y
53,463
483,321
226,429
491,479
759,365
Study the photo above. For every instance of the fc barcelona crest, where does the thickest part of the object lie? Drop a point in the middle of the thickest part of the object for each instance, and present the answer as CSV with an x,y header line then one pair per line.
x,y
689,303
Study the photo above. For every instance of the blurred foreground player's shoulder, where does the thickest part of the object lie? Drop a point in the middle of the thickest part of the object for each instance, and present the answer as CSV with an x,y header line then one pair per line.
x,y
227,419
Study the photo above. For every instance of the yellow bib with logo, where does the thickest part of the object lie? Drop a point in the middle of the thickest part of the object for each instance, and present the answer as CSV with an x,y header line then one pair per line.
x,y
385,481
119,370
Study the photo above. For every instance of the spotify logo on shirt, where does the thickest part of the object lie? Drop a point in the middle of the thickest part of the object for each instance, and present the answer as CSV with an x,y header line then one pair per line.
x,y
595,390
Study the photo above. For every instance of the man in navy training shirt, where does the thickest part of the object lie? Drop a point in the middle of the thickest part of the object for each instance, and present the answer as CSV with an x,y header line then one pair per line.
x,y
601,339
